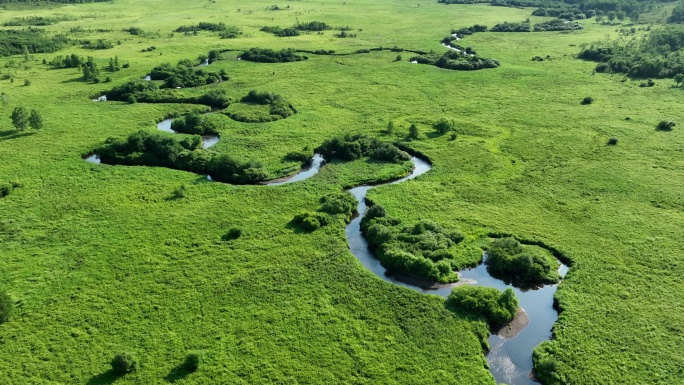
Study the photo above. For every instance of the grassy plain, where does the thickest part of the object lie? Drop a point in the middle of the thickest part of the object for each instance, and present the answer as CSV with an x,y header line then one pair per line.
x,y
102,259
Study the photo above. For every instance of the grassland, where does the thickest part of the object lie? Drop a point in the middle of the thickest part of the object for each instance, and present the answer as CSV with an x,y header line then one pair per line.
x,y
106,258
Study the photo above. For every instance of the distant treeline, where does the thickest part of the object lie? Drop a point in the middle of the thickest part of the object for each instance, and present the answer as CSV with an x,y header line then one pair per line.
x,y
551,25
12,42
36,20
148,92
655,56
570,9
37,2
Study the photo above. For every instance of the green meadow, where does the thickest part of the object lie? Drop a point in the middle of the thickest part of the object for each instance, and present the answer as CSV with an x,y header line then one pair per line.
x,y
103,259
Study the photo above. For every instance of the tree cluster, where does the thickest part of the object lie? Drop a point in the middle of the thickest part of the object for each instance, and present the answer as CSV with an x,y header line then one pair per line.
x,y
22,118
557,25
145,148
494,306
265,55
204,26
353,147
423,250
334,204
196,124
457,60
512,27
508,260
655,56
13,41
185,74
281,32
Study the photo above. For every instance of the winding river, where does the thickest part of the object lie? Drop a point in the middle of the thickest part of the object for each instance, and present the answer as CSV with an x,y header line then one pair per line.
x,y
510,359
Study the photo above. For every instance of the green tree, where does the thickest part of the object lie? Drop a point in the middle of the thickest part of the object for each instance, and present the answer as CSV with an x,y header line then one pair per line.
x,y
390,128
634,16
413,132
611,16
90,71
679,78
35,120
25,53
621,15
20,118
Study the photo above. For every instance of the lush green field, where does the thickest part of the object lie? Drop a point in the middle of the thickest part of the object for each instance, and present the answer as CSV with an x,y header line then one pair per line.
x,y
103,259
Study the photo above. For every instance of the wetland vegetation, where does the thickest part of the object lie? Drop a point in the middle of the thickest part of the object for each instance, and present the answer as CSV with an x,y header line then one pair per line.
x,y
140,270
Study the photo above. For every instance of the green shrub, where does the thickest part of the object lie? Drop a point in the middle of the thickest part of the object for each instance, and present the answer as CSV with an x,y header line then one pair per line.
x,y
665,125
587,100
192,361
613,141
339,203
507,259
197,124
443,126
494,306
124,363
5,189
6,307
233,233
353,147
309,221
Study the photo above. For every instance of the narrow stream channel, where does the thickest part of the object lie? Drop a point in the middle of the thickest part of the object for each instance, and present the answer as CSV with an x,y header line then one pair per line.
x,y
510,359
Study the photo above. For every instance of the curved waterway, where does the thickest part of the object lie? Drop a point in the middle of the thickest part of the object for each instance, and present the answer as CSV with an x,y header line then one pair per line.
x,y
510,359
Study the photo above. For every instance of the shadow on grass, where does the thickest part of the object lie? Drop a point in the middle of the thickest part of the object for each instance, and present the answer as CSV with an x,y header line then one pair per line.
x,y
13,134
177,373
105,378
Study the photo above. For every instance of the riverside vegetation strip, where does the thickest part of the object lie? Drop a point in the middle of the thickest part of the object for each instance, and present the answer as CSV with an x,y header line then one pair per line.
x,y
109,259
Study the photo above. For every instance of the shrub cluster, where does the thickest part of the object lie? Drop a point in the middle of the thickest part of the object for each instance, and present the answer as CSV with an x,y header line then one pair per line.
x,y
265,55
342,203
145,148
196,124
421,250
281,32
456,60
557,25
124,363
312,26
185,74
655,56
278,108
352,147
507,259
512,27
67,61
203,26
97,44
14,41
470,30
562,11
494,306
665,125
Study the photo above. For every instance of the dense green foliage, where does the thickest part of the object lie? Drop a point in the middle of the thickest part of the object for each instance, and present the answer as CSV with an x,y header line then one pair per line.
x,y
265,55
281,32
557,25
512,27
124,363
204,26
508,260
654,56
13,41
145,148
465,31
425,250
96,44
192,361
457,60
185,74
352,147
312,26
196,124
494,306
67,61
35,21
677,15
